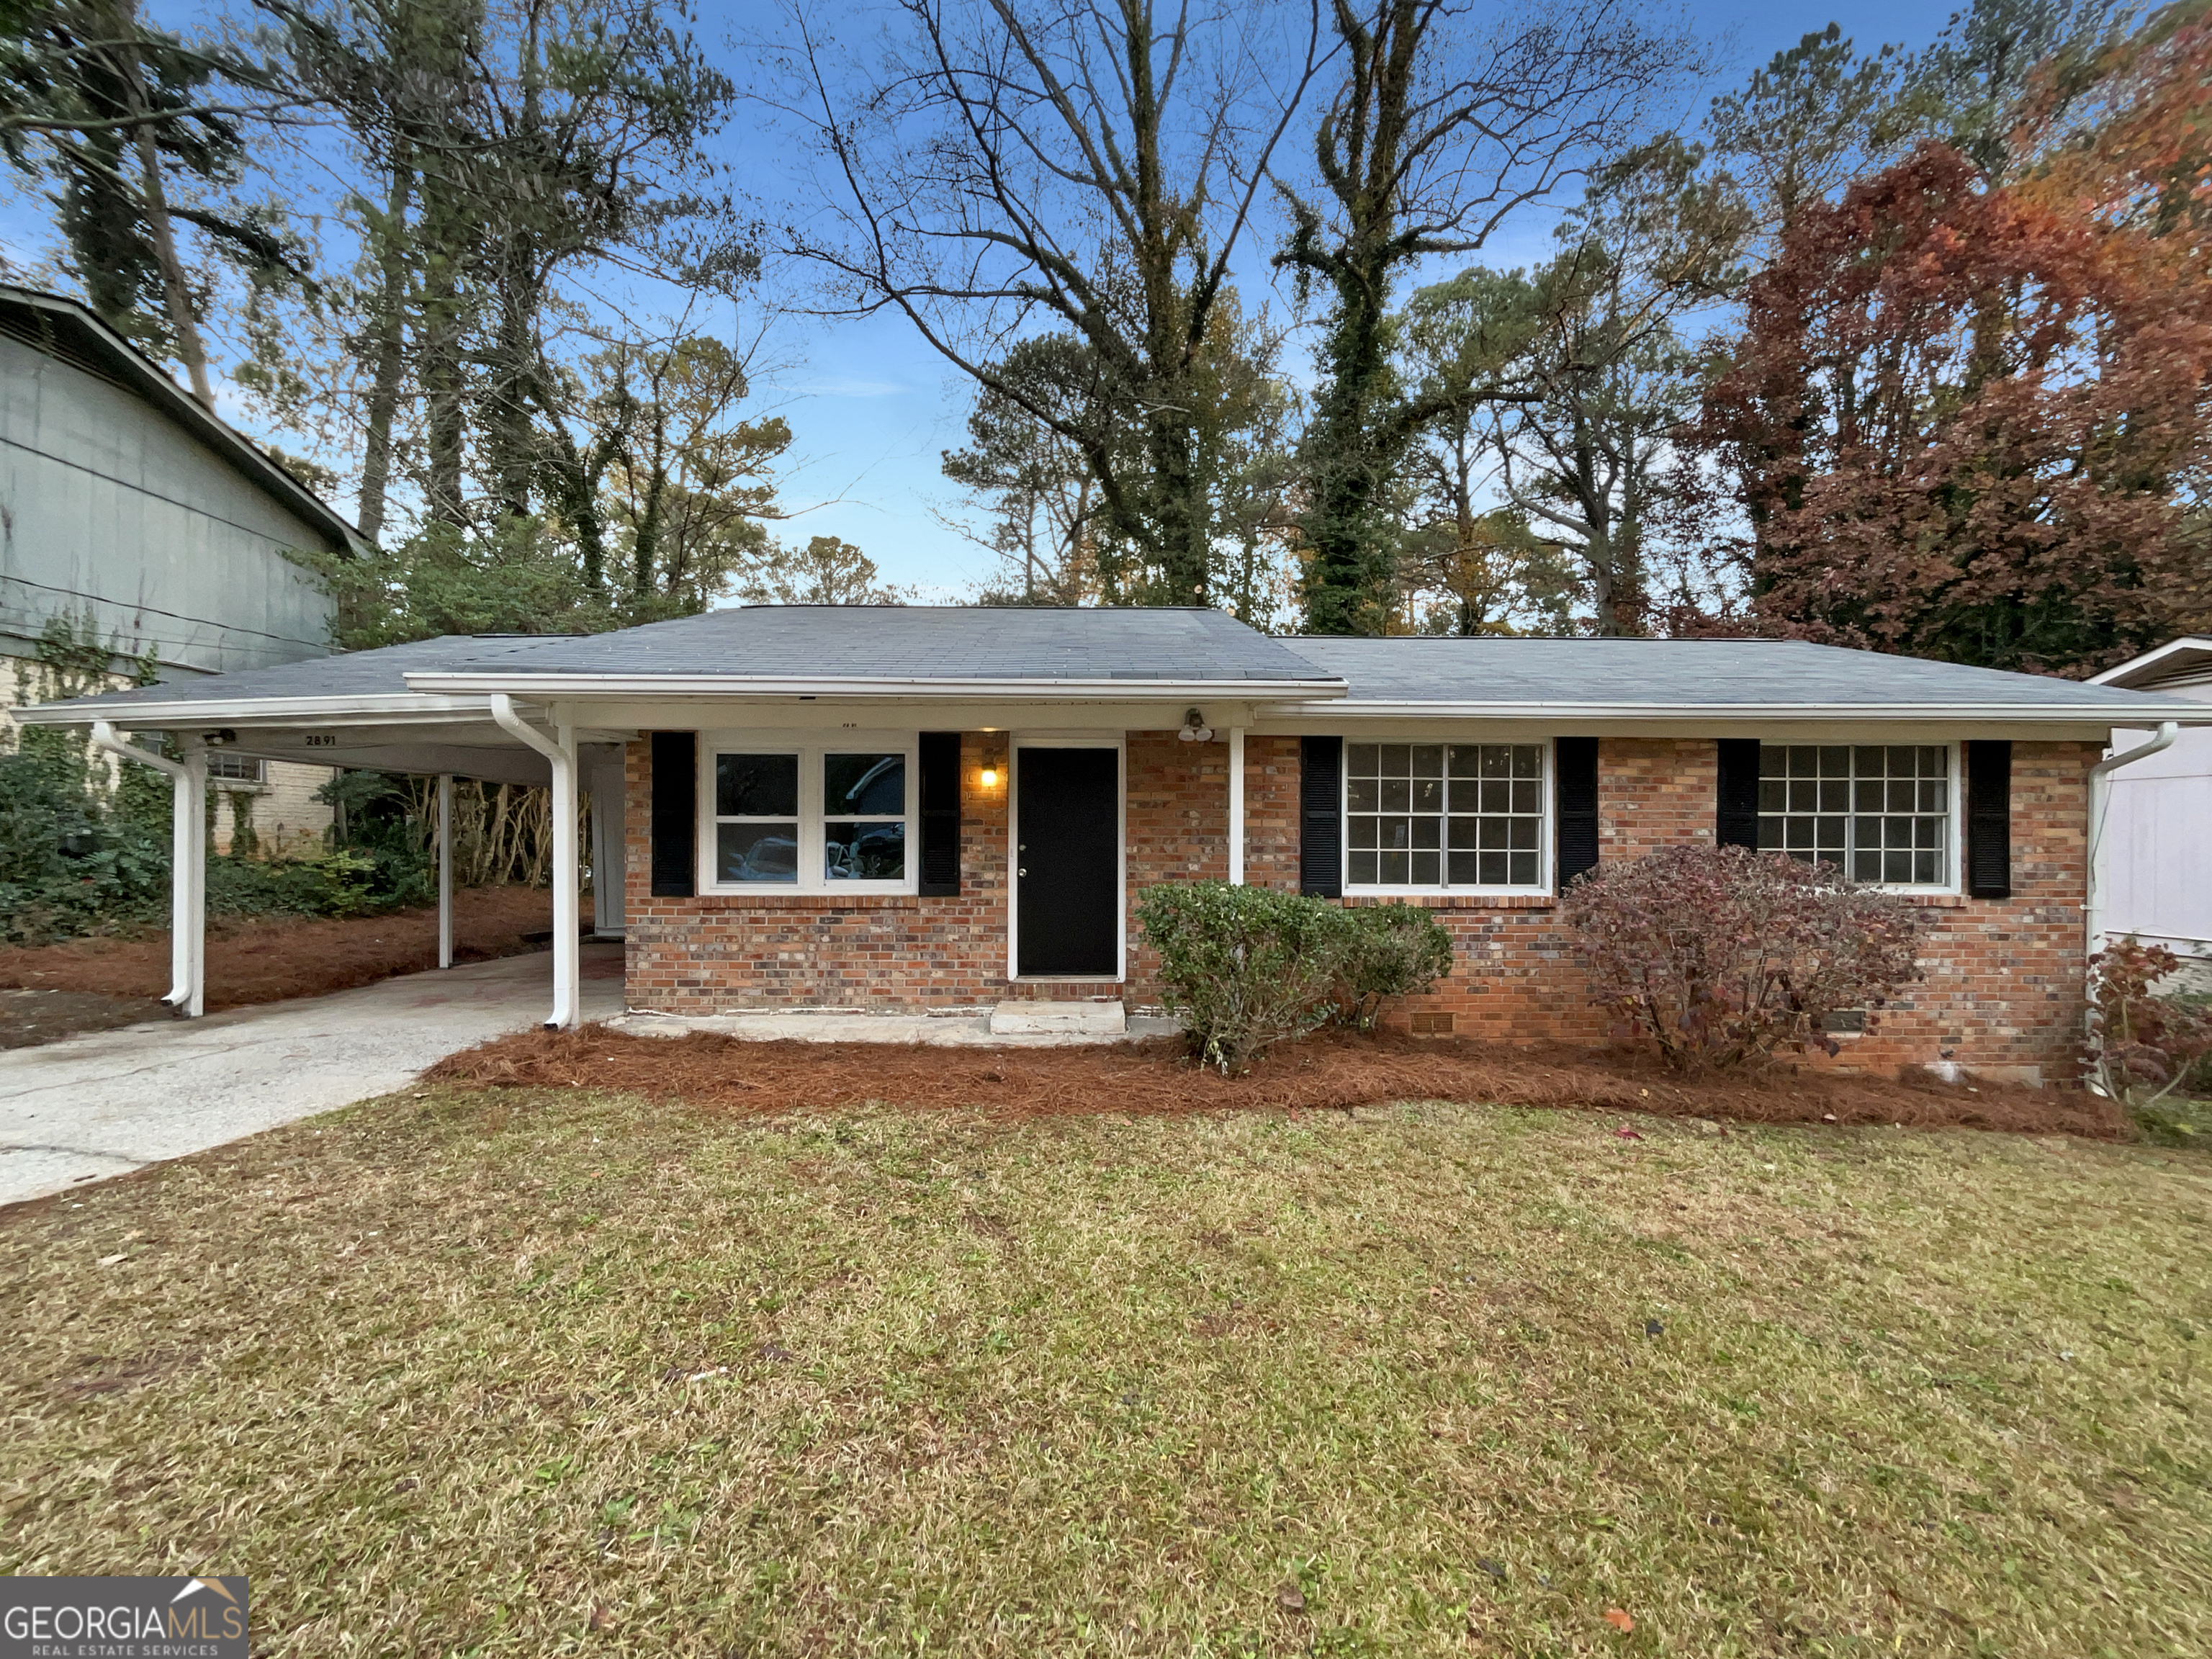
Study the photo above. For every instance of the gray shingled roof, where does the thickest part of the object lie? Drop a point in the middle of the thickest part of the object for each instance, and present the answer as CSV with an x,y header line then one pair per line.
x,y
950,642
1018,645
379,673
1697,674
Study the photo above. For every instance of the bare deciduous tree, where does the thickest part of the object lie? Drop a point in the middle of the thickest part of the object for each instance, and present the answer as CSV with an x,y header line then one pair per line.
x,y
1440,128
1091,166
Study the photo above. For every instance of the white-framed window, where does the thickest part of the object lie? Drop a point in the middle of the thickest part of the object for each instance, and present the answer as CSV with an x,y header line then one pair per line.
x,y
1444,816
227,766
1880,812
810,817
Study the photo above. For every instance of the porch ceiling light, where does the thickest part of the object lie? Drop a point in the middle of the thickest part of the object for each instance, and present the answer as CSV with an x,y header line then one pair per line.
x,y
1194,728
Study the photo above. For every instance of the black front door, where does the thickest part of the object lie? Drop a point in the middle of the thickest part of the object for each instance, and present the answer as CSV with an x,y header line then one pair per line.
x,y
1067,864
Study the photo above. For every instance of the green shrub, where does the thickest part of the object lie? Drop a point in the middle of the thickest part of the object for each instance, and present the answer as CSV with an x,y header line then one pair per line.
x,y
340,883
1386,951
1242,968
77,858
68,864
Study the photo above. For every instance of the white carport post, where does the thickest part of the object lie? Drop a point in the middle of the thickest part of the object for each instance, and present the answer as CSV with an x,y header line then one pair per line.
x,y
187,861
1236,806
560,752
445,869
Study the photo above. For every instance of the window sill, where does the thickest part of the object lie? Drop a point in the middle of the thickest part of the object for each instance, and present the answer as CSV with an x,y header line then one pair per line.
x,y
809,899
1429,899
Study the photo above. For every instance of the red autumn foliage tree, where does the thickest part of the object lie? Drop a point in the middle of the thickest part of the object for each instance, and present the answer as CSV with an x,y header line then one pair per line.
x,y
2122,135
1969,425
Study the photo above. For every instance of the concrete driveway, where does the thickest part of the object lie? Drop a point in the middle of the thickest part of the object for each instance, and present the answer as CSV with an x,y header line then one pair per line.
x,y
110,1102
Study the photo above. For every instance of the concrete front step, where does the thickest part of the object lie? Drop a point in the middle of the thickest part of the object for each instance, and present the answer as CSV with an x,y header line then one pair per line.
x,y
1060,1019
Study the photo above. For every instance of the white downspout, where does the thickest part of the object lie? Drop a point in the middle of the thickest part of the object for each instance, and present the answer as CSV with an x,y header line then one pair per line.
x,y
187,994
1236,806
445,869
2100,801
560,752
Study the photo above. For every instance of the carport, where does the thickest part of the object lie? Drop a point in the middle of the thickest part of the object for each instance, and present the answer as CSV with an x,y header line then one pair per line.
x,y
355,711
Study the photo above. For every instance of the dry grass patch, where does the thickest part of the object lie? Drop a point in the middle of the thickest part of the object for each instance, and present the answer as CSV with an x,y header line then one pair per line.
x,y
537,1372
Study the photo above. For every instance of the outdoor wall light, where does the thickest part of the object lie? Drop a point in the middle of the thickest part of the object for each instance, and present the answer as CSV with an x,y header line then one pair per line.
x,y
219,740
1194,728
990,777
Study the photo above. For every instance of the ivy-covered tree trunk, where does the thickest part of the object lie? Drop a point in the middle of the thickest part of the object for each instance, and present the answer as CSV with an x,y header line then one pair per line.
x,y
387,342
1351,452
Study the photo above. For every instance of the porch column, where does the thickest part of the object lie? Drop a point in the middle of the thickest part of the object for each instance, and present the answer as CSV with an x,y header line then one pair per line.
x,y
445,869
1236,806
560,752
187,994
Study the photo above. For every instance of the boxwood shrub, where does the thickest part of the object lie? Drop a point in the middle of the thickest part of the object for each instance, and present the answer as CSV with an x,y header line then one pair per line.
x,y
1246,967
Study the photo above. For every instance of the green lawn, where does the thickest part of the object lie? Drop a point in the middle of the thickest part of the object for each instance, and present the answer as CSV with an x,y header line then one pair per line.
x,y
544,1373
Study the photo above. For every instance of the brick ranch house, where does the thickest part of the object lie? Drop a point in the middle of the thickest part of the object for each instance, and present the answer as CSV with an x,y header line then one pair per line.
x,y
910,807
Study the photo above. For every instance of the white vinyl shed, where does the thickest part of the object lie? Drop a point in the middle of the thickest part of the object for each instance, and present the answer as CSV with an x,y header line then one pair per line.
x,y
2156,848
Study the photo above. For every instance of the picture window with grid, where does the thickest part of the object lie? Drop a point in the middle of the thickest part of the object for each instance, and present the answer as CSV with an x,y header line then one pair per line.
x,y
1878,812
1444,815
815,820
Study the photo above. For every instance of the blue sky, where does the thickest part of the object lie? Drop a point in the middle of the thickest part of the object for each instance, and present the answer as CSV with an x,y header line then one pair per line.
x,y
872,407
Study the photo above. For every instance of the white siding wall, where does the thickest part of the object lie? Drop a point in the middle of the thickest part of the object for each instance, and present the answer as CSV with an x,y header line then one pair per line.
x,y
2157,855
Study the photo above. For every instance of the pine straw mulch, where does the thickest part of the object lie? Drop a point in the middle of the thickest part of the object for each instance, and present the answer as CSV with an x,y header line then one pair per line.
x,y
272,958
1331,1070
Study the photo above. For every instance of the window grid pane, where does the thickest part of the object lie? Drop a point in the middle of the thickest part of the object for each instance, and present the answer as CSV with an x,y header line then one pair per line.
x,y
1443,815
1877,812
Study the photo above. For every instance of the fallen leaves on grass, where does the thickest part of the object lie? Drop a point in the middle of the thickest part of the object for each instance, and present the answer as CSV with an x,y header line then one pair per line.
x,y
1329,1071
1620,1620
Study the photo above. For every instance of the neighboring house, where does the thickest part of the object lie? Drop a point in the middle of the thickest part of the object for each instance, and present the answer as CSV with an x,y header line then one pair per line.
x,y
126,507
2158,830
908,807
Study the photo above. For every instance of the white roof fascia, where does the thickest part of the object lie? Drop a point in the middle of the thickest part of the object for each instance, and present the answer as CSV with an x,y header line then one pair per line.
x,y
2152,710
2199,643
541,687
382,709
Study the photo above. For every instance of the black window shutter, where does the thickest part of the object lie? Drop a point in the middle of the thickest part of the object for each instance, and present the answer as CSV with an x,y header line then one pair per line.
x,y
940,815
675,813
1321,817
1989,819
1574,796
1736,817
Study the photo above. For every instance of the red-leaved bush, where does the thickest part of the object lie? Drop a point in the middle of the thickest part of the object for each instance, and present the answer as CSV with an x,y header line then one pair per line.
x,y
2142,1047
1722,956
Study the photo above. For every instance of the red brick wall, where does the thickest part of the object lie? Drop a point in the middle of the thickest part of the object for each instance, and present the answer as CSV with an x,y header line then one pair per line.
x,y
2001,995
722,952
2004,977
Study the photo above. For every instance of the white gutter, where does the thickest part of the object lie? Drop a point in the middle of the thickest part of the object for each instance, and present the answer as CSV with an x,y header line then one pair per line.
x,y
2102,713
187,864
560,753
723,685
2099,800
379,708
